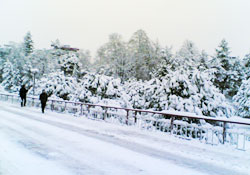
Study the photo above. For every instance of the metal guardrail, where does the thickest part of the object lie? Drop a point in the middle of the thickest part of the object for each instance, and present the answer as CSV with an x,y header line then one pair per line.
x,y
185,125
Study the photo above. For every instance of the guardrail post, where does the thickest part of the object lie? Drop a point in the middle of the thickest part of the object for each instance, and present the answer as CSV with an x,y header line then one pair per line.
x,y
172,124
135,117
65,105
224,132
105,113
244,142
127,117
88,110
33,101
81,109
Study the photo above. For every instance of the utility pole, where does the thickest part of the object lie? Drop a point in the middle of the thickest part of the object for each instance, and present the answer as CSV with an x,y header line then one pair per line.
x,y
34,71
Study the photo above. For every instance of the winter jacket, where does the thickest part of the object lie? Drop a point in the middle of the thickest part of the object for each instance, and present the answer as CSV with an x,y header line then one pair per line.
x,y
23,92
43,97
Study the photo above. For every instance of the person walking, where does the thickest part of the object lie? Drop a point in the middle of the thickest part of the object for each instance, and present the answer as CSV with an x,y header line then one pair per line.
x,y
23,91
43,98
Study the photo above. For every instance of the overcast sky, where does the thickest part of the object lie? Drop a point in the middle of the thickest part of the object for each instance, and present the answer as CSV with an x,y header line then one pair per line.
x,y
86,24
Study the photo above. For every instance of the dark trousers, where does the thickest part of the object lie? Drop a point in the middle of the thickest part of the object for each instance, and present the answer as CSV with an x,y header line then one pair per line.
x,y
23,102
43,105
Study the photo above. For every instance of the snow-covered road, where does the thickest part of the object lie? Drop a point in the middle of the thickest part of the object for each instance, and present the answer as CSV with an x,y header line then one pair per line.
x,y
53,143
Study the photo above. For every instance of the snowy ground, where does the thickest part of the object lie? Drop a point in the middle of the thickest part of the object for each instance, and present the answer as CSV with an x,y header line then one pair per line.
x,y
60,144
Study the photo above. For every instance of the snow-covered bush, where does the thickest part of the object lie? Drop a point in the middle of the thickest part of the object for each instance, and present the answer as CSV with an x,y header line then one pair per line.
x,y
58,84
96,88
70,64
186,85
181,92
91,88
135,91
196,93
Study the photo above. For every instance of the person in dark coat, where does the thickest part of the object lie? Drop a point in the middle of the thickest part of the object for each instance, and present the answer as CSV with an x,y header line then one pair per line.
x,y
43,98
23,91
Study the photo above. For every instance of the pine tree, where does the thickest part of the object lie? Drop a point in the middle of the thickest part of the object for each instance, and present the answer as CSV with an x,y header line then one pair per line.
x,y
242,98
188,56
227,75
28,44
3,57
186,85
204,61
246,63
165,63
16,69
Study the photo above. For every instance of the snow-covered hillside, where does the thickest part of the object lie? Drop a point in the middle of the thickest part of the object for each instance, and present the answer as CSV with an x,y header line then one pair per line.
x,y
53,143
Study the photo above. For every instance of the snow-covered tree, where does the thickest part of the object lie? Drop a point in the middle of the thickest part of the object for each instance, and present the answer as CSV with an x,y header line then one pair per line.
x,y
3,57
186,85
204,61
84,58
91,88
142,75
59,85
187,58
142,55
196,93
11,77
70,64
68,60
236,76
221,63
28,44
16,69
180,91
42,60
227,75
242,99
113,57
246,66
165,63
97,87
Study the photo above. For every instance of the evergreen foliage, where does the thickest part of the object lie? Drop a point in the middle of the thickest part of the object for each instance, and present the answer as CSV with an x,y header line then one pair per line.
x,y
59,85
28,44
246,66
16,69
228,70
188,87
134,74
242,99
70,64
